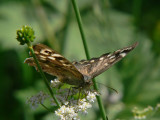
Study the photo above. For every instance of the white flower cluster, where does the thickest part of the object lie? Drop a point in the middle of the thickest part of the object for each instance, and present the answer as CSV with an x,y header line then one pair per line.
x,y
146,113
142,114
55,83
73,101
91,97
66,113
158,107
70,110
140,117
34,101
82,106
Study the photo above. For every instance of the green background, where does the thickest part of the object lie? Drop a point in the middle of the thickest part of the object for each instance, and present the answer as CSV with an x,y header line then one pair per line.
x,y
108,26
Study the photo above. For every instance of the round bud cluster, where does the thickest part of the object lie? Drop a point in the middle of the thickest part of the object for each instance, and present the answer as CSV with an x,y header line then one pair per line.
x,y
25,35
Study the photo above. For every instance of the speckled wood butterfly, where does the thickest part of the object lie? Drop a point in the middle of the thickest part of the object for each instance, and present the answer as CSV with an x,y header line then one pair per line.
x,y
75,73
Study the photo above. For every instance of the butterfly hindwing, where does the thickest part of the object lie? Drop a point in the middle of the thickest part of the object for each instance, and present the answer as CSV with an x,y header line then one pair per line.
x,y
95,66
55,64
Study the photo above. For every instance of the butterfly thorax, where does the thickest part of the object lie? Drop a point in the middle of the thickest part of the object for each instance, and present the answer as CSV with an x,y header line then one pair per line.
x,y
87,84
78,83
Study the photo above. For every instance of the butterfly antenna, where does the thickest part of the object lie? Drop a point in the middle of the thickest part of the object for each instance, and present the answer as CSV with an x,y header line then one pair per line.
x,y
108,87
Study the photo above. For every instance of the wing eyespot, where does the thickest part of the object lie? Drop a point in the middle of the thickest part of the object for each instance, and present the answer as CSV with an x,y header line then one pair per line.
x,y
48,52
45,52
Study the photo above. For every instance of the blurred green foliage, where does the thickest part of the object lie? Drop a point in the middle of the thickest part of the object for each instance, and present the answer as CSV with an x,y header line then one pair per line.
x,y
108,25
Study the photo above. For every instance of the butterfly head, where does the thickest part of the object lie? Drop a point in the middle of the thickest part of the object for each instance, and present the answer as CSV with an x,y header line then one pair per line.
x,y
87,84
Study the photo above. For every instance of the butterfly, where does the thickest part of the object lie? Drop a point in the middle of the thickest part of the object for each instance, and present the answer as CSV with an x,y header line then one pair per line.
x,y
75,73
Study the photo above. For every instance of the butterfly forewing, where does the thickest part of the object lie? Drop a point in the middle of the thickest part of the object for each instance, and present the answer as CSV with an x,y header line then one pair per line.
x,y
55,64
95,66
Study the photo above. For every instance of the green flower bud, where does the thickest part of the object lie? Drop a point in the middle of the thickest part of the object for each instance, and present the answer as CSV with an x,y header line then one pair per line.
x,y
25,35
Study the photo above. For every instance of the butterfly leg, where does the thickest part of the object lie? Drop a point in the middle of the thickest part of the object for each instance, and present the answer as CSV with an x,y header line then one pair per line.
x,y
79,94
68,93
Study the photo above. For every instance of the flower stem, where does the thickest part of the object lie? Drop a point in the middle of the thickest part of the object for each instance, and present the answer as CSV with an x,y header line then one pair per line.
x,y
80,28
102,111
42,74
46,107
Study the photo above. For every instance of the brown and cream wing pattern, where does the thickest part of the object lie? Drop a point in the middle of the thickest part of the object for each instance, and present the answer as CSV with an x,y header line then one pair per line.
x,y
95,66
55,64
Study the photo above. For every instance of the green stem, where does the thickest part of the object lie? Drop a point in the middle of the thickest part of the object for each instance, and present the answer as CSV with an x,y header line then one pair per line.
x,y
42,74
102,111
80,28
136,10
46,107
99,100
